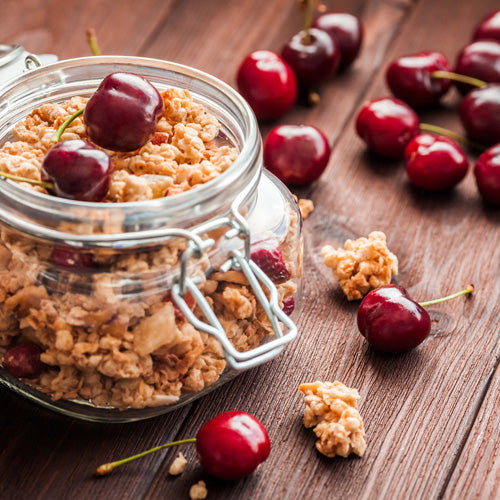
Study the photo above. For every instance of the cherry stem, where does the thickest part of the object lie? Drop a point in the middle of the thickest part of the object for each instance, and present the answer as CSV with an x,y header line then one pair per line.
x,y
46,185
307,22
457,77
427,127
104,469
92,41
64,126
467,290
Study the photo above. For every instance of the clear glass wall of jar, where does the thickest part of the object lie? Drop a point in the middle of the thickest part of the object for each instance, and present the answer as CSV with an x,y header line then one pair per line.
x,y
141,307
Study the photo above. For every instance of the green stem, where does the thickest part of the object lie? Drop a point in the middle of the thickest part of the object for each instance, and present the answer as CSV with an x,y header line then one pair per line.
x,y
427,127
46,185
457,77
65,125
104,469
469,289
307,22
92,41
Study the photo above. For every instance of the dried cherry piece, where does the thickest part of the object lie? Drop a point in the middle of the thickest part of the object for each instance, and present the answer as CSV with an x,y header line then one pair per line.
x,y
23,361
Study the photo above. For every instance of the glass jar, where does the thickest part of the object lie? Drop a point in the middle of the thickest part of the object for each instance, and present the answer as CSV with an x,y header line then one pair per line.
x,y
141,307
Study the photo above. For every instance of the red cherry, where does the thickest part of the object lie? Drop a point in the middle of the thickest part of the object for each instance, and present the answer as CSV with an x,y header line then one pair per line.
x,y
71,257
232,445
268,83
288,306
296,154
480,114
489,27
487,173
23,361
123,112
312,61
409,78
387,125
346,30
435,163
268,256
480,60
391,321
78,170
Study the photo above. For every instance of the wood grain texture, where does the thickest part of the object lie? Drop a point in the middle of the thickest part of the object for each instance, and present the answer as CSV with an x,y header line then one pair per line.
x,y
431,415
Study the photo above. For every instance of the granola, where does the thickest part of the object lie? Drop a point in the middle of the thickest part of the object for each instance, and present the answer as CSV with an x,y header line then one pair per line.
x,y
198,491
178,465
331,408
364,264
306,207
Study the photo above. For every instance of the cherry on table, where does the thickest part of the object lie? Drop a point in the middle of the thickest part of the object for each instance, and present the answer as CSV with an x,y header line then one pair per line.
x,y
268,83
409,78
480,114
78,170
232,445
346,30
123,112
313,55
480,60
487,174
296,154
435,162
392,322
387,125
488,28
23,361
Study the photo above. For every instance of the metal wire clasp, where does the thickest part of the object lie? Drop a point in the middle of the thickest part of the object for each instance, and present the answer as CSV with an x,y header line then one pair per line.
x,y
258,281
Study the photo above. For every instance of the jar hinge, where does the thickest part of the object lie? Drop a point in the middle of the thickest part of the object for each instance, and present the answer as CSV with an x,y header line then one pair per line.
x,y
257,280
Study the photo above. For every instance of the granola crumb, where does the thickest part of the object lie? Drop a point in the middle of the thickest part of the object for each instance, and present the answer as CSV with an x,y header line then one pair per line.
x,y
364,264
198,491
331,408
178,465
306,207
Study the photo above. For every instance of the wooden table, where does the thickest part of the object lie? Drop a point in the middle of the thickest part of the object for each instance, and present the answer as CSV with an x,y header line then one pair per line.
x,y
432,416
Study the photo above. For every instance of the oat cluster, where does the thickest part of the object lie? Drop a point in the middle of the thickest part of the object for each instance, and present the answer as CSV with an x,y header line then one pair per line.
x,y
362,265
198,491
331,408
178,465
306,207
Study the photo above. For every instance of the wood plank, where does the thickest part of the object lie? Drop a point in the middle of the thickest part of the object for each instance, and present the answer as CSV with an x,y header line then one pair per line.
x,y
59,27
477,472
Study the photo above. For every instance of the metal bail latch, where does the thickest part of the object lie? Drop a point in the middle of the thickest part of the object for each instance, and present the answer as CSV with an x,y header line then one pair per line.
x,y
257,279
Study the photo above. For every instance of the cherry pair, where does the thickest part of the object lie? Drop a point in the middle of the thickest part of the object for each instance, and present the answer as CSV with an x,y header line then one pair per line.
x,y
270,82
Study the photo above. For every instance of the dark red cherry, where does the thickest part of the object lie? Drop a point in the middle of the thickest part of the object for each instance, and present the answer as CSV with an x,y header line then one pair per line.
x,y
480,60
296,154
232,445
268,83
387,125
409,78
391,321
23,361
71,257
489,27
346,30
123,112
313,60
268,256
480,114
435,163
288,306
487,173
78,170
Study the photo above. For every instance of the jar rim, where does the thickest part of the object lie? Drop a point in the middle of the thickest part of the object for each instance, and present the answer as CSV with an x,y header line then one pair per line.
x,y
239,172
